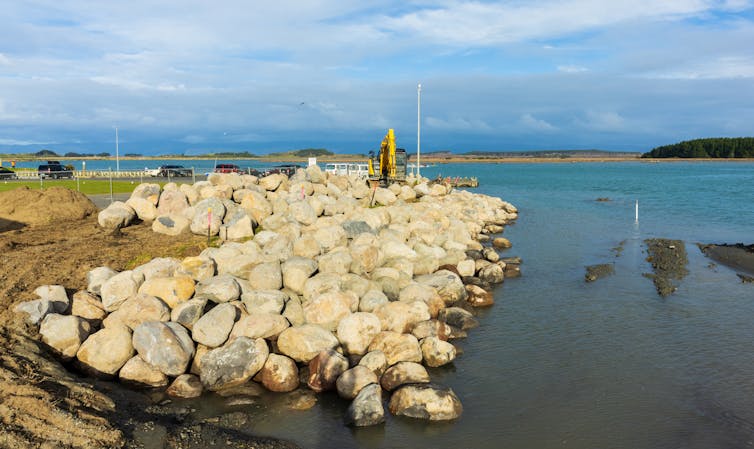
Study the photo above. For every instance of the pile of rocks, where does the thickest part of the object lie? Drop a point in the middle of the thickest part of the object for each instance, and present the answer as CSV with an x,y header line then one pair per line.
x,y
329,292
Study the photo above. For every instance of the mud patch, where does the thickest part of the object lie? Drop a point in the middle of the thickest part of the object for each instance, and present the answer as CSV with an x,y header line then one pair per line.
x,y
669,260
738,257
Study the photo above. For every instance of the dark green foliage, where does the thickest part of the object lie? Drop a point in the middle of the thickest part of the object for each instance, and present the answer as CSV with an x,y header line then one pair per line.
x,y
311,152
45,153
718,147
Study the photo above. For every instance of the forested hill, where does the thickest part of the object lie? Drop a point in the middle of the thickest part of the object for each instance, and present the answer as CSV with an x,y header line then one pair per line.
x,y
720,147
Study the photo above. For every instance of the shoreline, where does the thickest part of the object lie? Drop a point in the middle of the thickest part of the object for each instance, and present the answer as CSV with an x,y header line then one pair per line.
x,y
424,159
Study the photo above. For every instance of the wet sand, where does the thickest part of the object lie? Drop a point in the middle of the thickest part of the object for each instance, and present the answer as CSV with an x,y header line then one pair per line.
x,y
737,256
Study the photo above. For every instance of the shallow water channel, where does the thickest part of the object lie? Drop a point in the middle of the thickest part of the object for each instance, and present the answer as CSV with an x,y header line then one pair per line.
x,y
558,362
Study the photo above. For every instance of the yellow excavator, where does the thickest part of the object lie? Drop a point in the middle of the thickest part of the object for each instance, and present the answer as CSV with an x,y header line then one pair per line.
x,y
392,162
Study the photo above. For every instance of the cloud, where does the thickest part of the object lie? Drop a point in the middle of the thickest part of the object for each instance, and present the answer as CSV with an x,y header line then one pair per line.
x,y
457,124
572,69
528,121
325,73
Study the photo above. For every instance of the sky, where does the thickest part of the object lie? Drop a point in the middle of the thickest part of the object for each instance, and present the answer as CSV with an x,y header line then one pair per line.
x,y
194,76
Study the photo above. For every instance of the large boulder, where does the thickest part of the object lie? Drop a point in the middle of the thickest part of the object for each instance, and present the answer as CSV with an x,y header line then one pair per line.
x,y
56,294
266,276
303,343
96,277
35,310
148,191
116,215
234,363
271,182
296,270
403,373
199,268
208,217
492,274
325,369
357,330
165,346
264,301
437,352
366,409
118,288
106,351
145,209
240,227
171,290
219,289
448,285
401,316
425,401
138,309
375,361
352,381
64,333
397,347
170,224
458,317
384,196
188,313
172,202
88,306
327,309
185,386
213,328
138,372
259,325
279,374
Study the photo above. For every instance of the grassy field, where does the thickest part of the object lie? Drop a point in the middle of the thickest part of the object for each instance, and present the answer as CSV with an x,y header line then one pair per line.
x,y
86,186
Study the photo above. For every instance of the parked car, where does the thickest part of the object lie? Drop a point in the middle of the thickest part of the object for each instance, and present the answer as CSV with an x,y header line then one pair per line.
x,y
227,168
7,174
173,171
54,171
286,169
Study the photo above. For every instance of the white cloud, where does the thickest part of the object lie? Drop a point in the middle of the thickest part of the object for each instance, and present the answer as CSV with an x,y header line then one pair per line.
x,y
530,122
608,121
457,124
4,60
572,69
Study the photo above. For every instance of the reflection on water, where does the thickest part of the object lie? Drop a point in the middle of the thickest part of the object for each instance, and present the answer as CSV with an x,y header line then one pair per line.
x,y
561,363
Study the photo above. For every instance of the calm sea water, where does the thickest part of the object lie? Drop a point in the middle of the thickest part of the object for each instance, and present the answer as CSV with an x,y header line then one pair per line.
x,y
561,363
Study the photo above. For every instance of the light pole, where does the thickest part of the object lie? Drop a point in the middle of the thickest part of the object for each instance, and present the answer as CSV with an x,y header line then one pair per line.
x,y
117,157
418,129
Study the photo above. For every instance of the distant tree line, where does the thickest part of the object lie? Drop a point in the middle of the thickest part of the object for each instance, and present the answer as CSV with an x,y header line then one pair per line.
x,y
718,147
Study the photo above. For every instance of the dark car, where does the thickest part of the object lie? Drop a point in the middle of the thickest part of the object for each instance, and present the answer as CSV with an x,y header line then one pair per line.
x,y
286,169
227,168
174,170
7,174
54,171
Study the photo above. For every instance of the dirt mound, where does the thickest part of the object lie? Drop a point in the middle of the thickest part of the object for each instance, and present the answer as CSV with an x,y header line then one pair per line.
x,y
26,207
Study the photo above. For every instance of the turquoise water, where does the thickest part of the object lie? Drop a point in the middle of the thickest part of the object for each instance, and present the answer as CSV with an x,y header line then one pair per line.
x,y
561,363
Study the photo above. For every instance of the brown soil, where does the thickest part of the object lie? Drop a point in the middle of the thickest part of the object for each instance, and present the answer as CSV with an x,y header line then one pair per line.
x,y
42,404
25,207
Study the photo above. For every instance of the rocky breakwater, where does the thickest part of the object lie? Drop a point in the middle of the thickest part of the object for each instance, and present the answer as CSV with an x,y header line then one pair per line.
x,y
321,283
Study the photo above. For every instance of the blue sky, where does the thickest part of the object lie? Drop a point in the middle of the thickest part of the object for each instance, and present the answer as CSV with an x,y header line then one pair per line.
x,y
197,76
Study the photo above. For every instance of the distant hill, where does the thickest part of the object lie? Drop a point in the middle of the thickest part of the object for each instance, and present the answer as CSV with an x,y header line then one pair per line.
x,y
718,147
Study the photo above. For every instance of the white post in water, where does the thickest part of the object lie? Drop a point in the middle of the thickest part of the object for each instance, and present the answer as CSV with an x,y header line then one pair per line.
x,y
637,211
418,129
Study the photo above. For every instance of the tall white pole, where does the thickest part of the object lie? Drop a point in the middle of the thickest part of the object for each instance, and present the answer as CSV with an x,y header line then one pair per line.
x,y
117,156
636,213
418,129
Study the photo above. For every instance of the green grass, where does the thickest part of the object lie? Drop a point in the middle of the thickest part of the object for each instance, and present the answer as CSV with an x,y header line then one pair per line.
x,y
86,186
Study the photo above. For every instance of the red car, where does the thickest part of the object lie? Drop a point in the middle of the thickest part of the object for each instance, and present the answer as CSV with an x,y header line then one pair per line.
x,y
227,168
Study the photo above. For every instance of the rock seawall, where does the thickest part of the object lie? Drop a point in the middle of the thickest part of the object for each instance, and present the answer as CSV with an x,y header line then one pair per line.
x,y
320,283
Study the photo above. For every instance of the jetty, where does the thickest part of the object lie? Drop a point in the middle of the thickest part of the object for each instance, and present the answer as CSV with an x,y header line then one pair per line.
x,y
316,280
